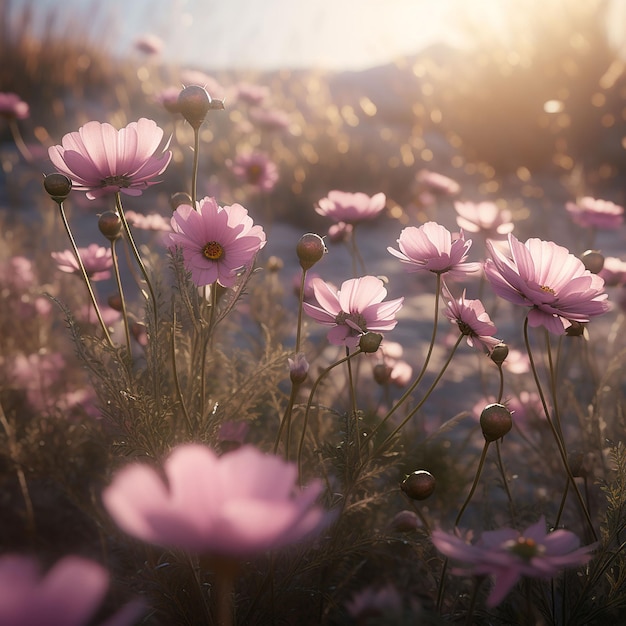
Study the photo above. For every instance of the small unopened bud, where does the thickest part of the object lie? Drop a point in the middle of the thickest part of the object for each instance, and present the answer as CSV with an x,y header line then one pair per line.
x,y
115,301
298,368
499,353
194,103
592,260
274,264
110,225
179,198
370,342
576,329
382,373
405,522
58,186
310,250
496,421
419,485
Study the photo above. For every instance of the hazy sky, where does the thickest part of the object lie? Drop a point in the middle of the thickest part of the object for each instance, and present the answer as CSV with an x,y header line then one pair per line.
x,y
335,34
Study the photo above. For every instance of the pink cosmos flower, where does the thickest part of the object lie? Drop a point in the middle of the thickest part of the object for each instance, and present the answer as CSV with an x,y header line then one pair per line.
x,y
240,504
592,213
355,309
343,206
168,98
340,232
69,594
216,241
101,160
251,94
613,272
472,320
484,217
431,248
270,119
437,183
151,221
507,554
548,279
96,259
12,106
255,169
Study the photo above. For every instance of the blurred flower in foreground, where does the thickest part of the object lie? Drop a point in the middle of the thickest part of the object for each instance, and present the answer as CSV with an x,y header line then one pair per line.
x,y
68,595
96,259
216,241
548,279
507,554
355,309
255,169
485,218
12,106
472,320
240,504
351,208
430,248
592,213
101,160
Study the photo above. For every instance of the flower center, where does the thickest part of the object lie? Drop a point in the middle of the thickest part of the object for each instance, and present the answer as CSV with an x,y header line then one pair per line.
x,y
356,318
547,289
466,329
524,547
254,172
213,251
116,181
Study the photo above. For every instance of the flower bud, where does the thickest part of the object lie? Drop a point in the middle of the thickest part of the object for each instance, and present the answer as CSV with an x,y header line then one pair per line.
x,y
419,485
110,225
179,198
405,522
592,260
495,421
274,264
298,368
499,353
115,301
194,103
382,373
58,186
310,250
370,342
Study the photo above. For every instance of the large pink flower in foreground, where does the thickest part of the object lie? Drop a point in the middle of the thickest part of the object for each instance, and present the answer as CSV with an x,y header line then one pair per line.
x,y
508,554
343,206
68,595
240,504
431,248
216,241
548,279
355,309
101,160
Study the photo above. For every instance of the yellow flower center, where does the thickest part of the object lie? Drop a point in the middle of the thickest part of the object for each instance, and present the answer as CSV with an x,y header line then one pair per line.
x,y
213,251
254,173
525,548
547,289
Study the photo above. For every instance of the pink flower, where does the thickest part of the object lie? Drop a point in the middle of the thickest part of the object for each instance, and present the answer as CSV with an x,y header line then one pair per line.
x,y
546,277
437,183
149,44
168,97
216,241
12,106
591,213
340,232
96,259
613,272
355,309
351,208
507,554
251,94
240,504
68,595
151,221
270,119
484,217
256,169
101,160
430,248
472,320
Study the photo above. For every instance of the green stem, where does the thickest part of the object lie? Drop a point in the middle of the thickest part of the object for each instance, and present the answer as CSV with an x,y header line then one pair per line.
x,y
286,421
481,464
194,168
300,301
118,280
179,391
92,295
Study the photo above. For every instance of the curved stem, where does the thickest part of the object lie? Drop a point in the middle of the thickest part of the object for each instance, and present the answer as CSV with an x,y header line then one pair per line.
x,y
92,295
19,141
505,482
194,169
118,280
559,442
481,464
286,421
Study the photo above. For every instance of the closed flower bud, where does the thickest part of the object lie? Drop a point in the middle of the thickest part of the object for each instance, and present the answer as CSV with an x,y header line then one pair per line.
x,y
370,342
58,186
194,103
419,485
274,264
382,372
115,301
496,421
310,250
592,260
179,198
110,225
499,353
298,368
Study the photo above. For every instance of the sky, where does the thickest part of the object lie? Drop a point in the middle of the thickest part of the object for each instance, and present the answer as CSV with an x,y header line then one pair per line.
x,y
271,34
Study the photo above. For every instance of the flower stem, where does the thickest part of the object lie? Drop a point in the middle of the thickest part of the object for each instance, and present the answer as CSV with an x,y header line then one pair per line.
x,y
194,167
481,464
92,295
116,269
300,301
